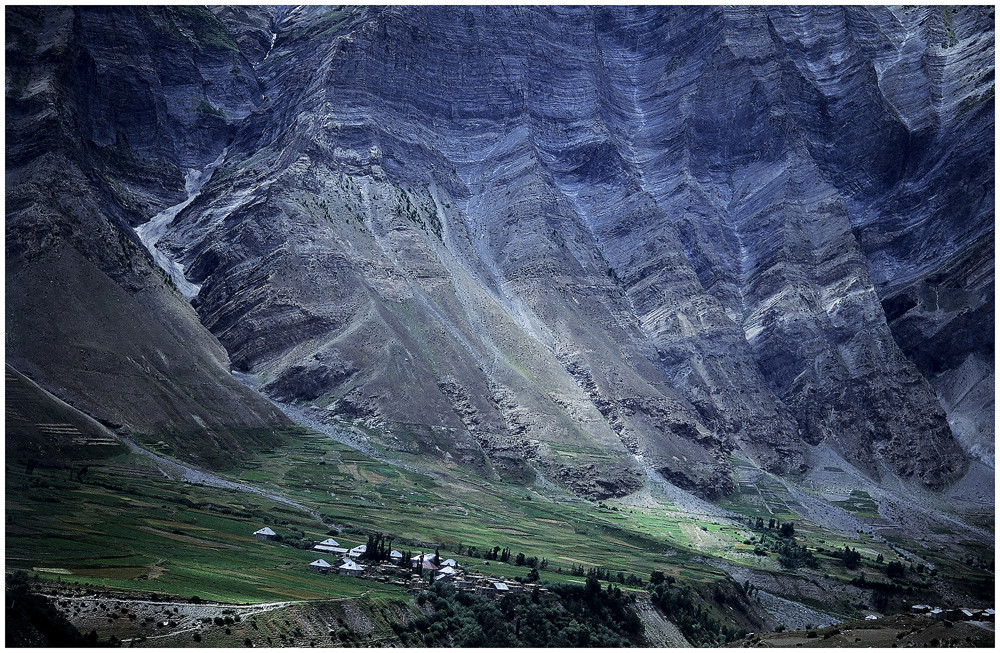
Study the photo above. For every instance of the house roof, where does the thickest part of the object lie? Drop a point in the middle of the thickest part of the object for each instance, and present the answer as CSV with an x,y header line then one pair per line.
x,y
449,571
395,554
330,542
449,563
329,549
319,563
429,565
501,586
361,548
426,557
350,565
264,531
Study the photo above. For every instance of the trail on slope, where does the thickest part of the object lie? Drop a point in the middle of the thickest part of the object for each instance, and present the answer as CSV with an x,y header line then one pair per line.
x,y
181,472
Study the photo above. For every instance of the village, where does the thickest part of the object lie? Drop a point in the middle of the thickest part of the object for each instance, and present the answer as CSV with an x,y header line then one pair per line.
x,y
954,614
412,573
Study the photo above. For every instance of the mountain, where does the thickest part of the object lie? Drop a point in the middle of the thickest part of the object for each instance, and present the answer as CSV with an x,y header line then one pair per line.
x,y
588,245
97,140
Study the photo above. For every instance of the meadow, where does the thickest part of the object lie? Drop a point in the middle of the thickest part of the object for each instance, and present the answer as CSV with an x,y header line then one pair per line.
x,y
124,525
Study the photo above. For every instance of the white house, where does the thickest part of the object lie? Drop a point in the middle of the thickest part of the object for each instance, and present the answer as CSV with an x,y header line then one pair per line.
x,y
265,534
358,550
330,542
395,556
449,571
320,566
350,568
427,557
329,549
449,563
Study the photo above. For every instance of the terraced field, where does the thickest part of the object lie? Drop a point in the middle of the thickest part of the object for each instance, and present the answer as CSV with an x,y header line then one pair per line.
x,y
125,522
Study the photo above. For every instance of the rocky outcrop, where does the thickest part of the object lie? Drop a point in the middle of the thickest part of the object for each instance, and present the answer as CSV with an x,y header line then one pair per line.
x,y
95,146
557,239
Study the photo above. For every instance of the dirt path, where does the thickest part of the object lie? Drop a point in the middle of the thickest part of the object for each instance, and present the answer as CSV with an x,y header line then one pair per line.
x,y
181,472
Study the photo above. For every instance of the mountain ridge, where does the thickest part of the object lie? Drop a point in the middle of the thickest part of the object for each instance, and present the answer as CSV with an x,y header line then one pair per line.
x,y
598,236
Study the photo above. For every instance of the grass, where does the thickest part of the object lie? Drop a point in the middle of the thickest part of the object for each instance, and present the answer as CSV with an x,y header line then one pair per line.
x,y
156,535
207,29
160,536
125,527
860,503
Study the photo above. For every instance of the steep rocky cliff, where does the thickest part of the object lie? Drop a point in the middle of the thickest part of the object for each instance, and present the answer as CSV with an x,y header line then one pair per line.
x,y
581,243
102,118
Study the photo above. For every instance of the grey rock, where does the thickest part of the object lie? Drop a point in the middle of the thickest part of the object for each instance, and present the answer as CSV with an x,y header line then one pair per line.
x,y
560,238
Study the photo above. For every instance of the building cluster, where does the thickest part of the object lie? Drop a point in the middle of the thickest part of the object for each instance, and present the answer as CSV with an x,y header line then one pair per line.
x,y
444,571
487,586
348,565
955,614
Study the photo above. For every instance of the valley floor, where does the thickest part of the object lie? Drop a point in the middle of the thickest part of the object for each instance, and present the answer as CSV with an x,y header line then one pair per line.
x,y
123,538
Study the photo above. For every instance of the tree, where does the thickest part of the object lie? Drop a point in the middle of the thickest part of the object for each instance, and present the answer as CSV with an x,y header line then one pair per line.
x,y
592,587
657,577
519,560
850,557
895,569
788,529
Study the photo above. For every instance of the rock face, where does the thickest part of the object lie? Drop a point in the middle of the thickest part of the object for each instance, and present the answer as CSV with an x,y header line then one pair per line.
x,y
548,241
95,146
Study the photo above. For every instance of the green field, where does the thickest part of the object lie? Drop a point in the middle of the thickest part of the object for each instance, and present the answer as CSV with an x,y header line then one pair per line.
x,y
124,525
